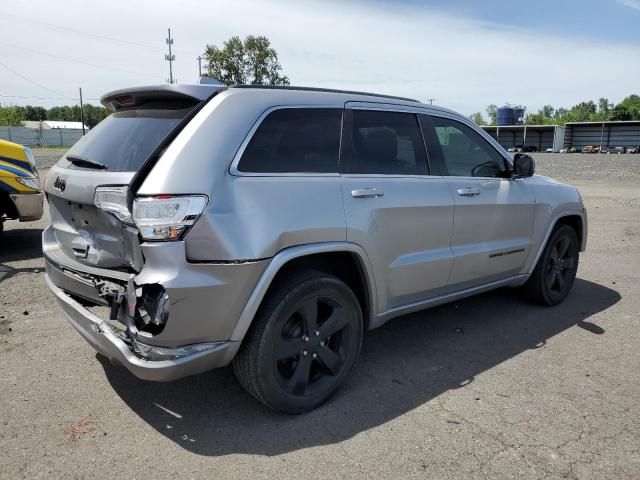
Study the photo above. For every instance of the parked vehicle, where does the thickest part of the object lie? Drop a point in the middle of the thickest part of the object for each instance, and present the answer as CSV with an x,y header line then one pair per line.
x,y
616,150
590,149
530,149
604,150
549,150
20,191
564,150
633,149
271,227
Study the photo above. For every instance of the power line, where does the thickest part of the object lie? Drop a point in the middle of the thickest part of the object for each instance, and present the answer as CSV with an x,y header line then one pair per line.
x,y
32,97
96,36
77,61
31,81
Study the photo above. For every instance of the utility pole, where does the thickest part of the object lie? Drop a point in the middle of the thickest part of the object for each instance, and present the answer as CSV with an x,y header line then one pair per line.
x,y
170,57
199,66
431,100
81,110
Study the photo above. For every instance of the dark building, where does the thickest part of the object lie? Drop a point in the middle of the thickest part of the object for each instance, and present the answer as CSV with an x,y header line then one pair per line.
x,y
602,134
534,137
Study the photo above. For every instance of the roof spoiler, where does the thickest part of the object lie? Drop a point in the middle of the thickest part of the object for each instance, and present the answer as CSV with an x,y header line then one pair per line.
x,y
134,97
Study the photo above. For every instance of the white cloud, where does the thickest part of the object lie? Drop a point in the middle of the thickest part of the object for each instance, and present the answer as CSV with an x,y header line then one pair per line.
x,y
630,3
411,51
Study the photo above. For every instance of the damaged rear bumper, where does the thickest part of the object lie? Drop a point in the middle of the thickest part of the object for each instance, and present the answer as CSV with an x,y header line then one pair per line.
x,y
167,363
202,303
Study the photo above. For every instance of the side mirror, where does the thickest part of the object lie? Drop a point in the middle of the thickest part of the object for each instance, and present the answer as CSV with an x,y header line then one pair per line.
x,y
523,165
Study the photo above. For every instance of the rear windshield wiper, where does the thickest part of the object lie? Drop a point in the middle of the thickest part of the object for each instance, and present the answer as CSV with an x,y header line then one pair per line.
x,y
85,162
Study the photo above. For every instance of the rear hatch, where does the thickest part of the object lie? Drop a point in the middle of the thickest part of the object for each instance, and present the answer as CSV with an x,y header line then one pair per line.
x,y
119,151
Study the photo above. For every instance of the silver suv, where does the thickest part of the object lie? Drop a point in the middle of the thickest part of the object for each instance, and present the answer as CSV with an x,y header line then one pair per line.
x,y
203,225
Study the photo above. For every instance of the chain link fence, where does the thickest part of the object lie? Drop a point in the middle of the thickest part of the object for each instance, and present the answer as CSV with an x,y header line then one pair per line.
x,y
41,137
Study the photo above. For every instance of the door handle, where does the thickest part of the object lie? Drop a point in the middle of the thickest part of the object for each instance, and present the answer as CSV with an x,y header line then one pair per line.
x,y
468,192
367,193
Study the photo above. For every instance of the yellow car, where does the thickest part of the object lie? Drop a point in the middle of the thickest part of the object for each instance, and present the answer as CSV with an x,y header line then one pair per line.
x,y
20,191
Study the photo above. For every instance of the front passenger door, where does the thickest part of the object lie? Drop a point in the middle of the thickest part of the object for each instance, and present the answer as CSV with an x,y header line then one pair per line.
x,y
493,214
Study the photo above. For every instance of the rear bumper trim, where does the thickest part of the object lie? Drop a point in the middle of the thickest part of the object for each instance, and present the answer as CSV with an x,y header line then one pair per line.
x,y
28,205
172,363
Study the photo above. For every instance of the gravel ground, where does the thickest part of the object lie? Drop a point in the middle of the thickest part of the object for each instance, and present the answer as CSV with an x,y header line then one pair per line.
x,y
488,387
47,157
584,166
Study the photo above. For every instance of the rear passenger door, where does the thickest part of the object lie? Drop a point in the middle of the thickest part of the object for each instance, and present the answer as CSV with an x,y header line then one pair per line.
x,y
284,189
493,216
400,215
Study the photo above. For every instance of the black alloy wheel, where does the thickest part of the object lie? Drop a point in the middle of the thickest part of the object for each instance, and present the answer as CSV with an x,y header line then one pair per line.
x,y
303,343
553,277
312,348
561,266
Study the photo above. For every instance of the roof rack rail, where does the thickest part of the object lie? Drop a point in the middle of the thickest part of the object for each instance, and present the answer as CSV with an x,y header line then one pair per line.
x,y
328,90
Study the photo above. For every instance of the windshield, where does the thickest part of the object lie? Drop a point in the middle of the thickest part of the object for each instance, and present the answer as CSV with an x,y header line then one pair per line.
x,y
124,140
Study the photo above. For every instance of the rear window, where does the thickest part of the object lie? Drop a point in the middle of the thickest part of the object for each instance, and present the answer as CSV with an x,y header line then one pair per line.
x,y
124,140
295,140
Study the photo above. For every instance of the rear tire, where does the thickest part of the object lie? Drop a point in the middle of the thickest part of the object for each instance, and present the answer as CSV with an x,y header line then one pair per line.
x,y
303,344
555,272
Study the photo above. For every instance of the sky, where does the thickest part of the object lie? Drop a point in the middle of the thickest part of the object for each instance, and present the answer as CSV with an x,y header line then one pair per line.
x,y
463,54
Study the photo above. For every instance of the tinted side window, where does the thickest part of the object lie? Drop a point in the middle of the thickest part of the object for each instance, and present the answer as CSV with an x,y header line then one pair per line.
x,y
386,143
464,152
295,140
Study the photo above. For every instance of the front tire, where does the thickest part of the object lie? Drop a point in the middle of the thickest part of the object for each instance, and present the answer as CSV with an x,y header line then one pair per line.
x,y
303,344
553,277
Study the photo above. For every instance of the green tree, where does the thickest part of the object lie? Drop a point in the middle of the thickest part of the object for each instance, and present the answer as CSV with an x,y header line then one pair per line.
x,y
64,113
251,61
94,115
492,112
620,112
477,118
583,111
56,113
544,116
12,116
604,106
35,113
632,104
535,118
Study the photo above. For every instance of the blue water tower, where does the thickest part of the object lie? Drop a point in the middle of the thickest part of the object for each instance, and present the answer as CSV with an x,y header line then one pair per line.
x,y
518,115
505,116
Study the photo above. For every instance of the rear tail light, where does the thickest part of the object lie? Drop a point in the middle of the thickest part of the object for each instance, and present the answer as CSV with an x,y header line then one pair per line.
x,y
161,217
113,200
167,217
